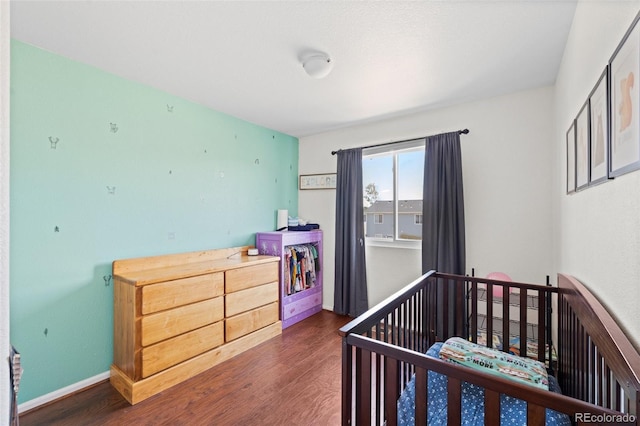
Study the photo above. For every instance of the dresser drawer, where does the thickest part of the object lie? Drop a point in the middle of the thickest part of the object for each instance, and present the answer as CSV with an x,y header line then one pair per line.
x,y
289,310
245,300
247,322
170,352
169,294
242,278
163,325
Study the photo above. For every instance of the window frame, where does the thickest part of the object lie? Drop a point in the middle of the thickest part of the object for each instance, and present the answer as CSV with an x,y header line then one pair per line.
x,y
394,150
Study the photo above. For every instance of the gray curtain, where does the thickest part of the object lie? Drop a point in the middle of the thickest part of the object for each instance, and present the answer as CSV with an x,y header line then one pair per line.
x,y
350,294
443,236
443,247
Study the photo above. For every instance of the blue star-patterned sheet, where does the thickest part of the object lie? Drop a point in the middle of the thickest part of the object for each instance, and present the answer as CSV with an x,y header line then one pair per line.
x,y
513,411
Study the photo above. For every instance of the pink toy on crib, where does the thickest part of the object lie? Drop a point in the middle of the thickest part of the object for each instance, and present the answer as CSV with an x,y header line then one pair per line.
x,y
497,290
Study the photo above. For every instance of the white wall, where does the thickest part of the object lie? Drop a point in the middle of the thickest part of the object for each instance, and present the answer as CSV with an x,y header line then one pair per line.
x,y
507,161
4,212
597,236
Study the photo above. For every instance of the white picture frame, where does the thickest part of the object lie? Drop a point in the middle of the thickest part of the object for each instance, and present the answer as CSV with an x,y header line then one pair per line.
x,y
599,130
582,147
571,158
624,68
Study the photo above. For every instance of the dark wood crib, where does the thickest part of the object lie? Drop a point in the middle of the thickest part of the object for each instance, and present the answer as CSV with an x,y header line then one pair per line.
x,y
596,366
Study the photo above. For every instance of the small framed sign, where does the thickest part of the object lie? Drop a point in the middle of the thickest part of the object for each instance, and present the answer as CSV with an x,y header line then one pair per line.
x,y
323,181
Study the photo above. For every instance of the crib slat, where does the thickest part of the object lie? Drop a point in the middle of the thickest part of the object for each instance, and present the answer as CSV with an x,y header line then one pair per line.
x,y
542,327
444,305
427,313
562,326
454,406
377,368
491,407
489,297
394,328
607,385
585,364
421,396
474,312
600,378
505,319
404,312
580,364
460,326
404,343
523,322
391,393
574,351
347,378
592,371
535,415
385,329
429,302
548,341
363,391
415,342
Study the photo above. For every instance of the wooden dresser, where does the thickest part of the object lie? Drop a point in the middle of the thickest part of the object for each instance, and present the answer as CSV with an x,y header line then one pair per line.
x,y
177,315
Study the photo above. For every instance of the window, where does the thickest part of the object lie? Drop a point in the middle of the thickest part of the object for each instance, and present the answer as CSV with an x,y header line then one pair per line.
x,y
392,178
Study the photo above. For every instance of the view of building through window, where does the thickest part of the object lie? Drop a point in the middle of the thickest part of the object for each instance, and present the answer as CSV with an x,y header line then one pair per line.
x,y
393,193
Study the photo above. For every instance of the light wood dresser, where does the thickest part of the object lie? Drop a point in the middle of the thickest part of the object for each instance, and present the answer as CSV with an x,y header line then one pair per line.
x,y
178,315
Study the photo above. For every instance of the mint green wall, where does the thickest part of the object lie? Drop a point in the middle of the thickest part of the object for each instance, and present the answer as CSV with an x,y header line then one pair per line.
x,y
135,172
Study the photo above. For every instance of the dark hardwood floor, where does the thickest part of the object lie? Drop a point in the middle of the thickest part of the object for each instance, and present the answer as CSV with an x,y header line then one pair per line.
x,y
292,379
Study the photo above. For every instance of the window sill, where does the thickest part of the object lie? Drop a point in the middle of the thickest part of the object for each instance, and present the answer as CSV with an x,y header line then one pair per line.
x,y
401,244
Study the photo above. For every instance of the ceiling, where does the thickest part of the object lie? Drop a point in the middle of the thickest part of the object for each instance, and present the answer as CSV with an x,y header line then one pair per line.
x,y
243,57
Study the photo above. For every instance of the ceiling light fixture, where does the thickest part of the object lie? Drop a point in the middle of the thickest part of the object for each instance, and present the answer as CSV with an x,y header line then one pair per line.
x,y
317,65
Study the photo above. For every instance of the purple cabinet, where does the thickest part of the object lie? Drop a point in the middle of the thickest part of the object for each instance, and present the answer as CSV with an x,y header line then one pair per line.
x,y
297,302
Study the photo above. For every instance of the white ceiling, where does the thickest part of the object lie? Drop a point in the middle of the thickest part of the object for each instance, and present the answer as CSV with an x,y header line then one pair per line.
x,y
242,58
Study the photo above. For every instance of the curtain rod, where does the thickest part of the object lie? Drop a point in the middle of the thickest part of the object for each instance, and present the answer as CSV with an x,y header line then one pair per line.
x,y
460,132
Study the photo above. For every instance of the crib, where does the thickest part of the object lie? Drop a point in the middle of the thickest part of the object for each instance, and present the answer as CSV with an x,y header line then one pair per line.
x,y
591,360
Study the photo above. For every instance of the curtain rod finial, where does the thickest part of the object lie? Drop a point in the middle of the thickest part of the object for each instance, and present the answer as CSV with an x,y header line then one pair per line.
x,y
463,132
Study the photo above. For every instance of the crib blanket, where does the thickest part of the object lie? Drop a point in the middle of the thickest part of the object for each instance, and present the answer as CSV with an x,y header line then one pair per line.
x,y
512,411
495,362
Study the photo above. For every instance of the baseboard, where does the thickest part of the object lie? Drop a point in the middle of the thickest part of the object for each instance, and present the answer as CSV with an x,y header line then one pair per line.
x,y
60,393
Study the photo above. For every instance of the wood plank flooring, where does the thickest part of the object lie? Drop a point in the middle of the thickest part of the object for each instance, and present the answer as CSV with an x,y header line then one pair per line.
x,y
292,379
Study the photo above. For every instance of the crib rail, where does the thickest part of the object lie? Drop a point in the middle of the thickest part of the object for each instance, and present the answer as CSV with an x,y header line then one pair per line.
x,y
383,348
437,306
384,322
598,363
375,396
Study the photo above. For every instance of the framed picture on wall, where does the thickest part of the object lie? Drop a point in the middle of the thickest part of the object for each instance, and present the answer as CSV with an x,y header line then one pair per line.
x,y
571,158
599,130
324,181
582,147
625,99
